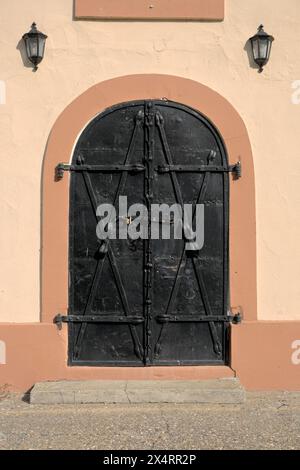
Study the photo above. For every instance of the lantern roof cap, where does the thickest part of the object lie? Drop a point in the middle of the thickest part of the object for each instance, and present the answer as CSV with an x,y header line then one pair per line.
x,y
262,34
34,32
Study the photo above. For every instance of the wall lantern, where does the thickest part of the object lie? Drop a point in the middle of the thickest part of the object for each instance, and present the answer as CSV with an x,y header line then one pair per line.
x,y
35,45
261,47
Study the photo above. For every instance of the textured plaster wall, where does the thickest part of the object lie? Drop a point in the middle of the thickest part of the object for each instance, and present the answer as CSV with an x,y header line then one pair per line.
x,y
82,53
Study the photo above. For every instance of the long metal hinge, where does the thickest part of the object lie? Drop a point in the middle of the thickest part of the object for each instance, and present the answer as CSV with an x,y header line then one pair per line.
x,y
132,319
236,318
62,167
235,169
136,319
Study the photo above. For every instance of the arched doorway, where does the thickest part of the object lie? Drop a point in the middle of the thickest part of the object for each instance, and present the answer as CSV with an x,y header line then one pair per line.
x,y
60,148
156,299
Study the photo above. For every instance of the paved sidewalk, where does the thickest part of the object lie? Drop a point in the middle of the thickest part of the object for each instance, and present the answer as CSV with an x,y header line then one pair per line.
x,y
264,421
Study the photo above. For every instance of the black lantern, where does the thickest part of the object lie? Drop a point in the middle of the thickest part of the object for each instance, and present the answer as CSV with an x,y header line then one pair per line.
x,y
261,47
35,45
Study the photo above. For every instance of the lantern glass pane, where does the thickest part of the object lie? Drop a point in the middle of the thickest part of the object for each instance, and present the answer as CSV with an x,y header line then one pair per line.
x,y
33,47
42,42
263,48
27,44
255,49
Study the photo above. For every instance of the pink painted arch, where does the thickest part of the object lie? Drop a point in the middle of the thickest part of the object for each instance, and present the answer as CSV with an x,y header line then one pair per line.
x,y
55,194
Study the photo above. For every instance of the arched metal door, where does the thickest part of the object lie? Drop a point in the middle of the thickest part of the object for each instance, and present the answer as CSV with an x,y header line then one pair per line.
x,y
148,302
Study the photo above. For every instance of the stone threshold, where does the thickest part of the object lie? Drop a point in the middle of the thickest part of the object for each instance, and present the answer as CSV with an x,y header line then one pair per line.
x,y
218,391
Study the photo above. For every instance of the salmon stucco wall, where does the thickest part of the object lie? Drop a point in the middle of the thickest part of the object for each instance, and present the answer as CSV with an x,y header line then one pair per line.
x,y
256,359
80,54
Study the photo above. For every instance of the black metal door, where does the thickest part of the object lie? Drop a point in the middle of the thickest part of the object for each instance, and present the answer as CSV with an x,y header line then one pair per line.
x,y
148,302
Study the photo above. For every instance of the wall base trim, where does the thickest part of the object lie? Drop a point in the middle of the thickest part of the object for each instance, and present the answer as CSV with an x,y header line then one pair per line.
x,y
264,356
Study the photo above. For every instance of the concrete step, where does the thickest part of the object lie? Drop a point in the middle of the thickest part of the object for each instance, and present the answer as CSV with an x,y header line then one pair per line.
x,y
227,390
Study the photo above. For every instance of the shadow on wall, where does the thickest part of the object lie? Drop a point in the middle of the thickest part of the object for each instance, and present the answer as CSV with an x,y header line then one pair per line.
x,y
21,48
248,49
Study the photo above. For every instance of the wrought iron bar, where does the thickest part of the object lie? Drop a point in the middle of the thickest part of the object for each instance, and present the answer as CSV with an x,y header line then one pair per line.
x,y
62,167
133,319
149,155
235,169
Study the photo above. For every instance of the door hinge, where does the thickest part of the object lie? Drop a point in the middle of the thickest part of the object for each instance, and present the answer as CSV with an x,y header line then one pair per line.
x,y
59,170
59,320
236,318
236,170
